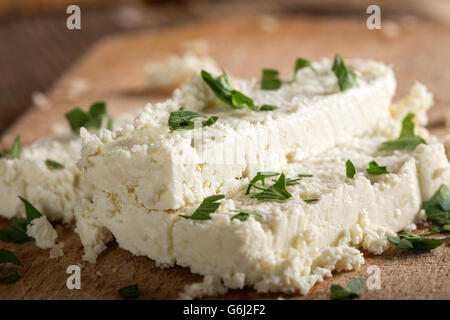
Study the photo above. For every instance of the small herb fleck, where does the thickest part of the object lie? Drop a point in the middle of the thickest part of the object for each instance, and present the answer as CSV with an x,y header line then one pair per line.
x,y
130,292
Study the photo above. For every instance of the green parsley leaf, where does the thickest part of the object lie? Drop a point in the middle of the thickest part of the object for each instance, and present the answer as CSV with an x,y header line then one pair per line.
x,y
14,152
239,100
415,242
17,230
243,215
407,139
352,291
206,208
301,63
374,168
93,119
291,182
270,80
10,278
304,175
267,107
130,292
8,256
346,76
277,191
350,169
437,209
223,91
182,119
310,200
260,177
53,165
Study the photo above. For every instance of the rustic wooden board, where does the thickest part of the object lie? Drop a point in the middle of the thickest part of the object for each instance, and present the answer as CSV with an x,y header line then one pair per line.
x,y
114,71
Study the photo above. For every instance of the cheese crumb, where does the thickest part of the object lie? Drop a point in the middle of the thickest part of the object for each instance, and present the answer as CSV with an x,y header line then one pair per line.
x,y
57,251
210,286
43,233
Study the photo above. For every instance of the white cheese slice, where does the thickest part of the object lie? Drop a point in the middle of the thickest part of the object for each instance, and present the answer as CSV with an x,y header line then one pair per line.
x,y
168,170
54,192
296,243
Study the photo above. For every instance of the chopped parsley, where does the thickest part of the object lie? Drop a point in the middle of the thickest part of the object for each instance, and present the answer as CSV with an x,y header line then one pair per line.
x,y
301,63
93,119
7,256
10,278
276,191
223,91
206,208
182,119
374,168
353,290
416,242
310,200
14,152
346,76
17,230
53,165
260,177
350,169
407,139
270,80
291,182
130,292
243,215
304,175
438,210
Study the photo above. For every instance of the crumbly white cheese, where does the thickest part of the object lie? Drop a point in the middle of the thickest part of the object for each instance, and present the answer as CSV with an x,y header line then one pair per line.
x,y
43,232
57,251
446,142
296,244
210,286
54,192
418,101
168,170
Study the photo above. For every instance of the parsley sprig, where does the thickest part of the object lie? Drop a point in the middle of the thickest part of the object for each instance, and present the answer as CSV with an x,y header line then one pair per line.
x,y
243,215
276,191
350,169
270,80
130,292
14,152
407,139
374,168
93,119
17,230
206,208
301,63
353,290
346,76
7,256
53,165
417,243
182,119
222,89
437,210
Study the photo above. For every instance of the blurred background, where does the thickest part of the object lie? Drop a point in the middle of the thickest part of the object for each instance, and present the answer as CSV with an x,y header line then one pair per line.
x,y
36,48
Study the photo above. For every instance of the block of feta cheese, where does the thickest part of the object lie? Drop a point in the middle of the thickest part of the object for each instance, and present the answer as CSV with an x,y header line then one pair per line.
x,y
295,243
53,192
168,170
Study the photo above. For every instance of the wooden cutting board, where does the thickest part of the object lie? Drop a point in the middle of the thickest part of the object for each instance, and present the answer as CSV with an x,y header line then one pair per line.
x,y
113,70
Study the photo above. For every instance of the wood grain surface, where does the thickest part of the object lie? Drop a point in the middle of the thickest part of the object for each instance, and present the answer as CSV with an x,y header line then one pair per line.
x,y
114,71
